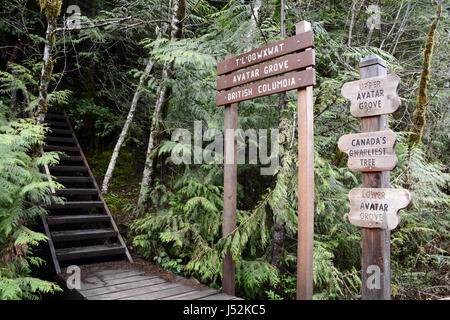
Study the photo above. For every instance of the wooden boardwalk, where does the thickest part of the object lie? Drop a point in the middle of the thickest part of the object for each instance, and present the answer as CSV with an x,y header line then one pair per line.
x,y
135,284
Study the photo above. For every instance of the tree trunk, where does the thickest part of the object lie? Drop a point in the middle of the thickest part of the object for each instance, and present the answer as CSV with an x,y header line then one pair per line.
x,y
393,26
126,126
52,10
278,227
401,28
161,107
350,29
419,115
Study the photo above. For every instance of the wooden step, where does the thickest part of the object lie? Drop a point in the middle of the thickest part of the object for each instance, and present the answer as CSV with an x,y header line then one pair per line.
x,y
76,205
60,131
63,179
59,124
60,148
55,116
88,252
81,218
71,158
71,235
75,191
69,168
55,111
59,139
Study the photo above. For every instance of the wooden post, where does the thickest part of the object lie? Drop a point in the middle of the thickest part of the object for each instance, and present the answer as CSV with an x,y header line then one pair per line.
x,y
305,187
375,242
230,192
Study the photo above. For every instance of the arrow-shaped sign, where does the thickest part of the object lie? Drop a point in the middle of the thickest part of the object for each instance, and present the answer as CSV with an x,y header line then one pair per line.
x,y
370,151
372,96
377,207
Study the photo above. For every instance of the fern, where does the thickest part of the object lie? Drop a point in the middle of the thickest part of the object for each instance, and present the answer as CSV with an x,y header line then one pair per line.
x,y
23,191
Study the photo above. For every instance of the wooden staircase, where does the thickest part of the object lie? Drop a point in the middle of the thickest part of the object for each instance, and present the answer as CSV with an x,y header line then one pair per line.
x,y
81,230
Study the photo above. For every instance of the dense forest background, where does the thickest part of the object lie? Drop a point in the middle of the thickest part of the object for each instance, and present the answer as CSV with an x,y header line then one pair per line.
x,y
153,62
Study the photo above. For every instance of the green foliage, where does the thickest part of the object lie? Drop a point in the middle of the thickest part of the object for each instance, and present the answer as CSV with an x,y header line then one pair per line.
x,y
24,190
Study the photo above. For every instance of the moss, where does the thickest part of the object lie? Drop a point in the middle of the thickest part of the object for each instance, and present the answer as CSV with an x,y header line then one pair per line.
x,y
52,8
419,115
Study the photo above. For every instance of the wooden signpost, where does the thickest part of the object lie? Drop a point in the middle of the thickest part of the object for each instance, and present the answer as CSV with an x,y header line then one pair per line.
x,y
374,207
295,60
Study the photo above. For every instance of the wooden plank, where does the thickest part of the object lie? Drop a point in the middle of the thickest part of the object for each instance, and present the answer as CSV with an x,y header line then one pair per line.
x,y
230,192
68,168
70,235
82,218
58,139
76,191
270,69
49,177
121,287
192,295
132,293
70,158
373,95
60,148
168,292
60,131
88,252
95,282
72,179
109,276
76,205
51,245
274,50
57,123
377,207
305,186
370,151
376,242
51,116
55,111
101,272
219,296
287,82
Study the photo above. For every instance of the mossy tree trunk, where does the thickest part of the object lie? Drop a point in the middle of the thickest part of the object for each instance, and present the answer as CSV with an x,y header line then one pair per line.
x,y
52,9
419,115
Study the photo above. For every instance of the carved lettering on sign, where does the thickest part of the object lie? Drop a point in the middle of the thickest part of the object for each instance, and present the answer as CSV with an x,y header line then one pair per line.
x,y
372,96
275,67
377,207
293,44
264,88
370,151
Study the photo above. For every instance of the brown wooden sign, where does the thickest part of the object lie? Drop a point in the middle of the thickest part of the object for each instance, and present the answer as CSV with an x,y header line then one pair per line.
x,y
274,50
240,80
373,96
370,151
266,70
291,81
377,207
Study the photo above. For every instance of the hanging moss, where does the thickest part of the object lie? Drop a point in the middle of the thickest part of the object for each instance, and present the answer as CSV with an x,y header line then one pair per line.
x,y
52,8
